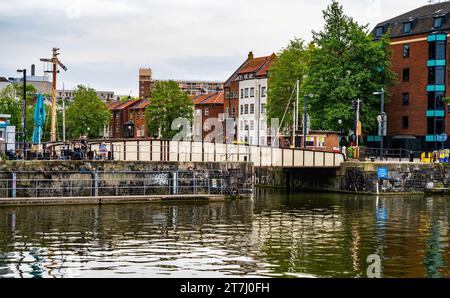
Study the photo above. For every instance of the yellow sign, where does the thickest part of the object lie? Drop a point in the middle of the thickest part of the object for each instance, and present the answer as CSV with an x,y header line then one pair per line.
x,y
359,129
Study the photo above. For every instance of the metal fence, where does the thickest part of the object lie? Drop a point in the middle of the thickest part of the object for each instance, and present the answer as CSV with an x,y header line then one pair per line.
x,y
94,187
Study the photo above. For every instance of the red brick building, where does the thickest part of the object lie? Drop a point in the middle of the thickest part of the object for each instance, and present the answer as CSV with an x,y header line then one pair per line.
x,y
209,111
417,114
128,119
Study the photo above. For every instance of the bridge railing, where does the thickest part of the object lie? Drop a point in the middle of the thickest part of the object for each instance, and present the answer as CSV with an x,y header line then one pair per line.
x,y
188,151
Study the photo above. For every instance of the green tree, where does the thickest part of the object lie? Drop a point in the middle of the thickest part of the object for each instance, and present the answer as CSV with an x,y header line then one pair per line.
x,y
290,66
87,115
168,103
346,64
11,103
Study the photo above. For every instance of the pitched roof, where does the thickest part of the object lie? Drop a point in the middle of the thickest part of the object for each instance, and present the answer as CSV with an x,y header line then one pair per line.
x,y
210,98
259,65
422,18
112,104
125,105
142,104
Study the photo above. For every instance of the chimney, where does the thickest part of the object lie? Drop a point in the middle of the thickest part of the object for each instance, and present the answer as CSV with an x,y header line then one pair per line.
x,y
33,70
250,56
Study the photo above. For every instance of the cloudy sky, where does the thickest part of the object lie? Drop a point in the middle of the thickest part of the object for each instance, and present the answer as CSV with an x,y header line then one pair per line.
x,y
104,42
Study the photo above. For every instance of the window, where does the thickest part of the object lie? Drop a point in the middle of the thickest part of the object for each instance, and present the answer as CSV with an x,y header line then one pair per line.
x,y
310,141
406,50
198,112
437,50
252,124
206,127
246,92
252,109
242,126
242,93
436,75
263,108
233,111
407,27
242,109
143,115
206,111
405,99
263,91
405,122
227,111
246,109
436,100
252,92
438,22
320,141
406,75
379,32
437,129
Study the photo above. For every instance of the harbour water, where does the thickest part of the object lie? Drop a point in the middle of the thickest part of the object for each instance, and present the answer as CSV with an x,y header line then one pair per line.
x,y
273,235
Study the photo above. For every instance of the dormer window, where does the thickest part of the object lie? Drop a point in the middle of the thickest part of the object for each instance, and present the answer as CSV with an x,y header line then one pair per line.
x,y
379,32
407,27
438,22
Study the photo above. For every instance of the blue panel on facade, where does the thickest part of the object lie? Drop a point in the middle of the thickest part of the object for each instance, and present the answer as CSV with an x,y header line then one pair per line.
x,y
431,138
435,37
439,88
435,113
432,63
431,88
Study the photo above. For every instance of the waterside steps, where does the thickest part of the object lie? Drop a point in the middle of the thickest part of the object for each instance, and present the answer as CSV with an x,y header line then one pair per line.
x,y
5,202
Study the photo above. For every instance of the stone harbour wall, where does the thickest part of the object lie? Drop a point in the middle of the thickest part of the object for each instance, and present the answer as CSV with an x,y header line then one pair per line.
x,y
359,177
116,178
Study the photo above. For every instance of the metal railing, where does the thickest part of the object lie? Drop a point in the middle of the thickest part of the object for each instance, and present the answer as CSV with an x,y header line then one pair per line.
x,y
393,154
158,184
189,151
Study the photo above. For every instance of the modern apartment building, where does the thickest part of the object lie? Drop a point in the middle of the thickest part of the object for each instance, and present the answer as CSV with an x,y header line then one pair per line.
x,y
69,95
146,84
417,114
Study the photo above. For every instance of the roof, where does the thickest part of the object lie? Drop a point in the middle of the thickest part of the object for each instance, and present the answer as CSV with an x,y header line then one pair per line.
x,y
210,98
422,18
259,66
3,79
112,104
124,105
142,104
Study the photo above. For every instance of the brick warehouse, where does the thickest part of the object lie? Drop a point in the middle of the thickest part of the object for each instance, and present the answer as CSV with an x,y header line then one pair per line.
x,y
417,114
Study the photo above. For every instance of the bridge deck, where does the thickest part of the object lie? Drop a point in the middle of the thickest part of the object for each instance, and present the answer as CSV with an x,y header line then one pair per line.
x,y
185,151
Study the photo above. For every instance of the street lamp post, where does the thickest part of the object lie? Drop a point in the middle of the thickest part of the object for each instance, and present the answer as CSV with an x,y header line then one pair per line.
x,y
24,113
382,122
340,135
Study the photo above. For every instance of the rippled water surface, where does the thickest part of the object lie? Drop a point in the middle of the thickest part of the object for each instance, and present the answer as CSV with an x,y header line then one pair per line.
x,y
274,235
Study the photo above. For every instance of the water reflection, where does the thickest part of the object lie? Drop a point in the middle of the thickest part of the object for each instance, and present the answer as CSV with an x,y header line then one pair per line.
x,y
276,235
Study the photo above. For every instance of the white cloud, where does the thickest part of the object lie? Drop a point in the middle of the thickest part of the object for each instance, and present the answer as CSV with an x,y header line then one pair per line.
x,y
104,42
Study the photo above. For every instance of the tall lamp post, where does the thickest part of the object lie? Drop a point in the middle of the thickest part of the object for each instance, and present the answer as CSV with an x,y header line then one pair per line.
x,y
382,122
305,117
340,135
24,112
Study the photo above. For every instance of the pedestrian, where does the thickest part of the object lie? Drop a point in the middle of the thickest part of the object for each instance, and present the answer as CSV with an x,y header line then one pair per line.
x,y
103,151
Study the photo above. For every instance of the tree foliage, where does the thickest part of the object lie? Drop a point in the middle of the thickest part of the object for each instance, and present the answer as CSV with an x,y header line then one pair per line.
x,y
168,103
290,66
87,115
346,64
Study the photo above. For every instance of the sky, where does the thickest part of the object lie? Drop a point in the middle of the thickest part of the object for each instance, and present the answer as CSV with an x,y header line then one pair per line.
x,y
104,42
